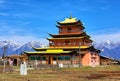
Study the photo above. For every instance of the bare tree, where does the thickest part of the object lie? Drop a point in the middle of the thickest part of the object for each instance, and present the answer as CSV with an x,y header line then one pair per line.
x,y
3,57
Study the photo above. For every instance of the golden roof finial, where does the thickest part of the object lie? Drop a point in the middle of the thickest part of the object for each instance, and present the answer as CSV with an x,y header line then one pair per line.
x,y
70,16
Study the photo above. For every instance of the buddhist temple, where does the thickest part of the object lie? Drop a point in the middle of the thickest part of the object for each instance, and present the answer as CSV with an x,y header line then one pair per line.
x,y
71,46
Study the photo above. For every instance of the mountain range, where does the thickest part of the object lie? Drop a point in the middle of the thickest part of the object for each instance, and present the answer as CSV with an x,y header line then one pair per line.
x,y
17,48
108,48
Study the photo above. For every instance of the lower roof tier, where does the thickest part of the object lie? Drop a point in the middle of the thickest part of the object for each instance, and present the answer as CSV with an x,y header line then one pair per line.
x,y
49,52
54,52
73,47
66,48
63,51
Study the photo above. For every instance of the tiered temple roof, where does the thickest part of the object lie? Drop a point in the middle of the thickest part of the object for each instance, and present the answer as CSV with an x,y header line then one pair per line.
x,y
68,22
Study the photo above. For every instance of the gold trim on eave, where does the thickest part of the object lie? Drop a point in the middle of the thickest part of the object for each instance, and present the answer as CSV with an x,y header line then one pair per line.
x,y
65,38
50,50
57,48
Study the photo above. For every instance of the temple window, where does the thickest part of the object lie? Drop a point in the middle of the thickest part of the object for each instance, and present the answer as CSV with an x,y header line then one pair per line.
x,y
70,43
61,58
44,58
74,43
37,58
80,43
67,42
31,57
34,57
69,29
67,57
59,43
93,55
64,43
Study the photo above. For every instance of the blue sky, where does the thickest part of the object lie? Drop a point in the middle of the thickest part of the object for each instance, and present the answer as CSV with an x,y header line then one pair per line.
x,y
28,20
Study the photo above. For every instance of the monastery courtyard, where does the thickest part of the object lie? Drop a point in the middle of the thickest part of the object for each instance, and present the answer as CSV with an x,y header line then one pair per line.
x,y
100,73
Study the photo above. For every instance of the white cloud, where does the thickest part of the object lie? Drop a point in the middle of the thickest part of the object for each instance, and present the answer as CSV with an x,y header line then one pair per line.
x,y
13,30
24,39
104,37
17,34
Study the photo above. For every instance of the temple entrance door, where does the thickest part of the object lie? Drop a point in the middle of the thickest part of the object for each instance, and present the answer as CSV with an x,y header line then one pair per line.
x,y
50,61
15,62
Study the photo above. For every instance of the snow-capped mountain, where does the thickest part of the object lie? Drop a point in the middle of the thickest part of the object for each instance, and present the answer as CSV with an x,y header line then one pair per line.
x,y
27,47
109,49
8,46
107,44
15,48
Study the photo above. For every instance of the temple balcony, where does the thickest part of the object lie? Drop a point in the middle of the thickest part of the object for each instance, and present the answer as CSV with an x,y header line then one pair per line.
x,y
68,45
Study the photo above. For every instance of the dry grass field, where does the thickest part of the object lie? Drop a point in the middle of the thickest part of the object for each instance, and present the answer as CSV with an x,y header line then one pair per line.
x,y
101,73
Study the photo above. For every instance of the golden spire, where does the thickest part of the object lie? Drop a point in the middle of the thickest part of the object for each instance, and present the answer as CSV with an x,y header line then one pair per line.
x,y
70,17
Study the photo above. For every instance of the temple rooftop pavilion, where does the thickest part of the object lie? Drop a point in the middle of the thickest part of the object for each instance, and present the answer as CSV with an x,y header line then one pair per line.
x,y
69,20
71,46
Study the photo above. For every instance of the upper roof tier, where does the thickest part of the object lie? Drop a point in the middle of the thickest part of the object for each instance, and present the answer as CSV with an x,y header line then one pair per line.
x,y
69,20
69,35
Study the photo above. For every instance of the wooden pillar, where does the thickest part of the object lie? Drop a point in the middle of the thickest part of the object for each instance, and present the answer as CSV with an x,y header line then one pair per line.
x,y
57,59
47,59
51,60
71,59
